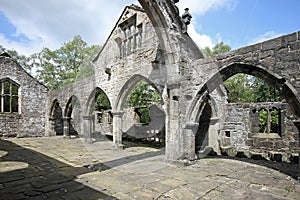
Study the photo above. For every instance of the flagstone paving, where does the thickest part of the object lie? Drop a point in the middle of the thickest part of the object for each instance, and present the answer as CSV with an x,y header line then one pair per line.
x,y
60,168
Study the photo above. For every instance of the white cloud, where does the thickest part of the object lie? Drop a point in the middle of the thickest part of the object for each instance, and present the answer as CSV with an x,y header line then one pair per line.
x,y
23,48
201,40
266,36
50,23
200,7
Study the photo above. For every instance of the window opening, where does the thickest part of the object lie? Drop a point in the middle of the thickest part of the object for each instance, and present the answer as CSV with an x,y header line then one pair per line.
x,y
130,36
9,101
269,121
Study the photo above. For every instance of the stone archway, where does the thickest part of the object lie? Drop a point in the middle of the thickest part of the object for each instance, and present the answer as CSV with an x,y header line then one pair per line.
x,y
282,85
127,87
97,121
286,89
118,110
56,119
72,117
202,135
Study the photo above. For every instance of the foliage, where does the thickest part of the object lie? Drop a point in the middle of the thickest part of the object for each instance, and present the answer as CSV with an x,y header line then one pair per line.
x,y
21,59
265,92
247,88
71,62
275,121
102,102
65,65
141,97
239,89
217,49
263,121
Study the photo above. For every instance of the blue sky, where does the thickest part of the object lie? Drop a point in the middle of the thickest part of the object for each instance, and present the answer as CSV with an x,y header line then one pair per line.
x,y
251,20
29,25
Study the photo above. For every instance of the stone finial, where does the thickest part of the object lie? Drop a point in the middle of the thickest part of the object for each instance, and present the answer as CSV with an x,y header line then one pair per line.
x,y
186,17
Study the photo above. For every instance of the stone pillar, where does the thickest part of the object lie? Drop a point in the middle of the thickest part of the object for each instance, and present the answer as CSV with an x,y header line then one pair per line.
x,y
117,129
51,131
66,122
88,128
189,140
269,121
297,124
213,135
174,135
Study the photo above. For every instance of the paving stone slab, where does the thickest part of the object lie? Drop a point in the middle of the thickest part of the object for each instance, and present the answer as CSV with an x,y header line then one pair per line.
x,y
59,169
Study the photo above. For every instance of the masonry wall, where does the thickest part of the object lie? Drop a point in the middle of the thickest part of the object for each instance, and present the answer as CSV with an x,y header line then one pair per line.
x,y
143,60
31,116
78,94
240,131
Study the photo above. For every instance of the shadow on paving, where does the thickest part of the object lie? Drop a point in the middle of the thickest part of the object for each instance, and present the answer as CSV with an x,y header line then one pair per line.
x,y
124,160
290,169
41,178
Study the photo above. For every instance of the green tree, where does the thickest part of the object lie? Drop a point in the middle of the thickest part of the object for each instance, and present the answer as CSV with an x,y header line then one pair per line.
x,y
217,49
102,102
247,88
72,61
239,89
265,92
141,97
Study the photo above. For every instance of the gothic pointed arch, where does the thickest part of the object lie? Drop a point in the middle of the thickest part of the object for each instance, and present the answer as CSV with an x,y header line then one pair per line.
x,y
127,88
55,117
286,89
91,102
72,116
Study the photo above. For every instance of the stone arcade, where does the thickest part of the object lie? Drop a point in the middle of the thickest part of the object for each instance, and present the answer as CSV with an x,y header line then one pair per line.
x,y
151,44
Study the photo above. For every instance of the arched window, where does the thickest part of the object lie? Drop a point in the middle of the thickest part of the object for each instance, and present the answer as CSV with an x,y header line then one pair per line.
x,y
9,100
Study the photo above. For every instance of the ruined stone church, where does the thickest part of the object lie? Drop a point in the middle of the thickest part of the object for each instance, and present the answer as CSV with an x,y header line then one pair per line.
x,y
151,44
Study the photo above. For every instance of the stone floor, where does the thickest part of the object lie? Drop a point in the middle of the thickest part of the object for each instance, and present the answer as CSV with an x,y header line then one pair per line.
x,y
58,168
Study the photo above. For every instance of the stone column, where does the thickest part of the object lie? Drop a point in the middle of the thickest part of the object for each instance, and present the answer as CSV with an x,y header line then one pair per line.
x,y
189,140
51,131
269,121
117,129
88,127
174,132
297,124
66,123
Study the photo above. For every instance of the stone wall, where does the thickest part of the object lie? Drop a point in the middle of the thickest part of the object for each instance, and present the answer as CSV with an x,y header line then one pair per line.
x,y
142,62
136,50
276,61
76,97
240,131
32,97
